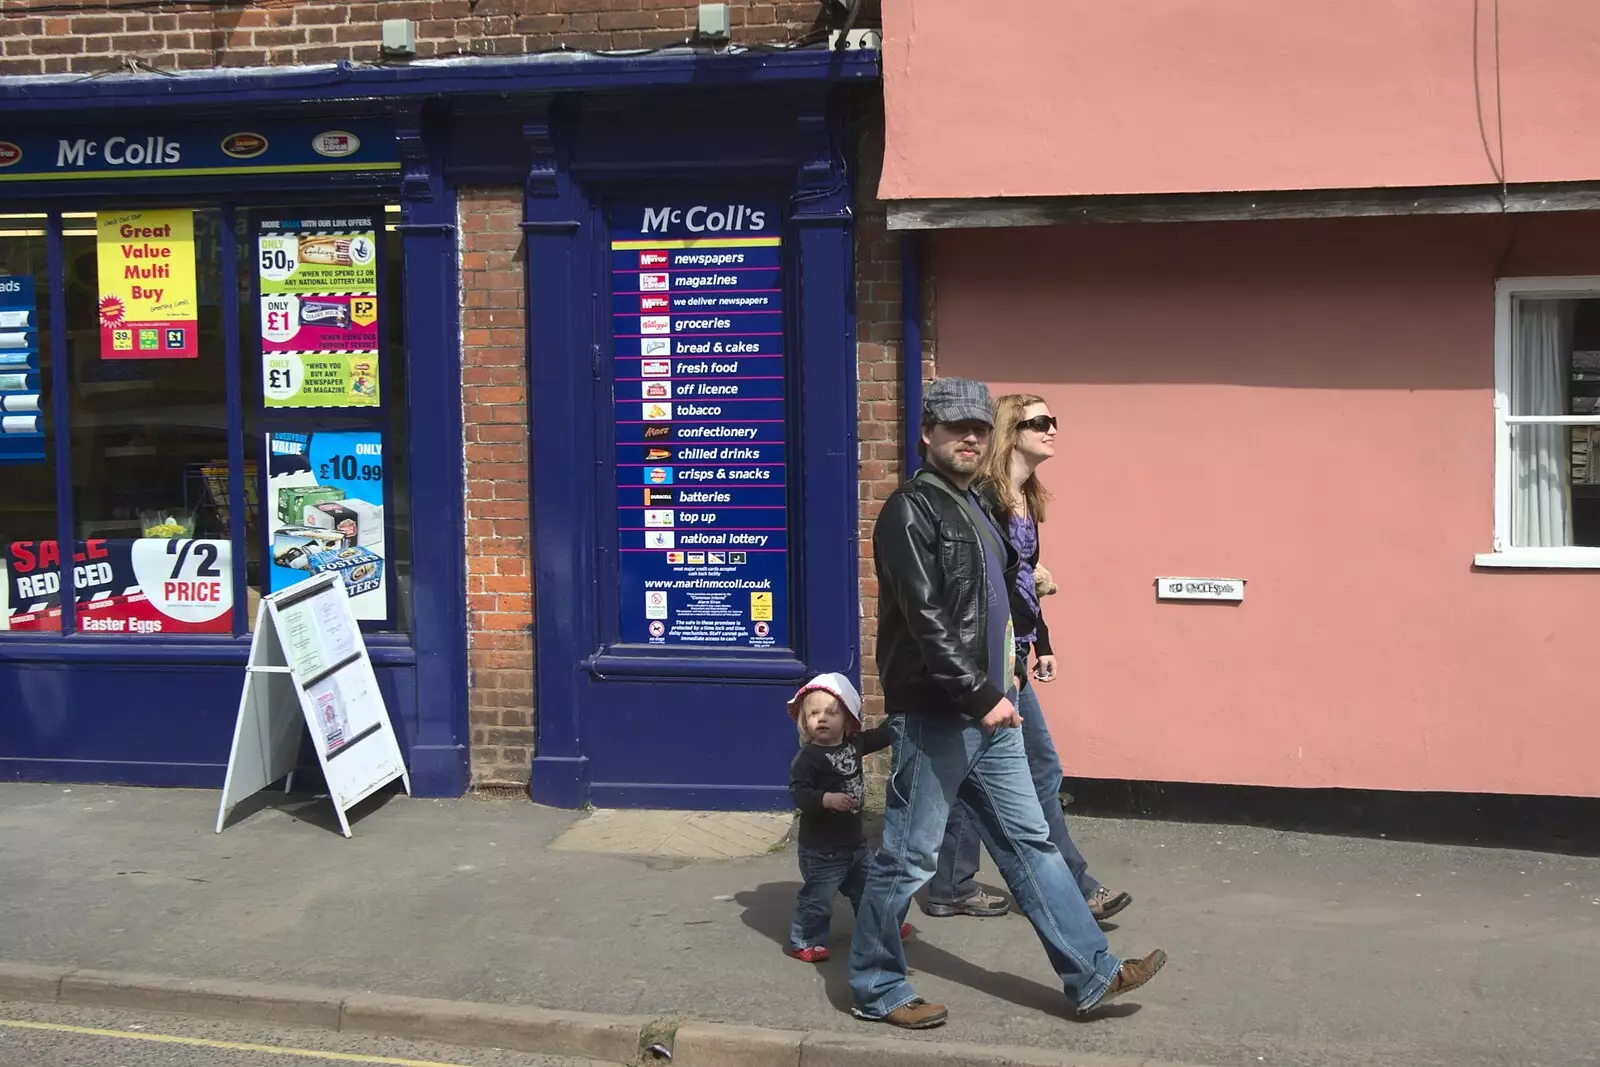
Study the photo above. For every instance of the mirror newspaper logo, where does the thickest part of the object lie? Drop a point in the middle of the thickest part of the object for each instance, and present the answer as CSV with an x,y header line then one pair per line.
x,y
653,258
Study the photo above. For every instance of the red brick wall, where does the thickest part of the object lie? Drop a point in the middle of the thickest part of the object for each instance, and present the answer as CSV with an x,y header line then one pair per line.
x,y
879,356
499,545
100,35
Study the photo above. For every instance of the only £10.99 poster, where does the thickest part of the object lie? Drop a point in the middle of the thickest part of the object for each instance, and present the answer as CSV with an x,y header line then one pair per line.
x,y
325,511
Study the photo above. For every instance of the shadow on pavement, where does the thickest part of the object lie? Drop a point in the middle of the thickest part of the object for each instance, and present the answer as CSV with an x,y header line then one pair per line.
x,y
769,907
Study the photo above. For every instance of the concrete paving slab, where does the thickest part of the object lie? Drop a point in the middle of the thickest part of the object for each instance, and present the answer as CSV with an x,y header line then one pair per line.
x,y
691,835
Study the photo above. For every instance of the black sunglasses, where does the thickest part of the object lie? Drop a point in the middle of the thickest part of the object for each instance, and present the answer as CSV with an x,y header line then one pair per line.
x,y
1038,424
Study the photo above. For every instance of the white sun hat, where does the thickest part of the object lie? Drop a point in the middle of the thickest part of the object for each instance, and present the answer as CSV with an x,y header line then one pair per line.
x,y
834,683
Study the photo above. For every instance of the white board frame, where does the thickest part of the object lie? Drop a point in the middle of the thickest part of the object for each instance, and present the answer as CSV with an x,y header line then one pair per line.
x,y
276,708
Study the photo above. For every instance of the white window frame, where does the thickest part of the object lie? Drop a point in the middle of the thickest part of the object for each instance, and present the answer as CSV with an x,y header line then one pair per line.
x,y
1507,291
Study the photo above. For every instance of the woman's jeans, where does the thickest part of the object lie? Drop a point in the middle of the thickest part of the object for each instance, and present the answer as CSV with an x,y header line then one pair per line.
x,y
936,757
827,871
958,856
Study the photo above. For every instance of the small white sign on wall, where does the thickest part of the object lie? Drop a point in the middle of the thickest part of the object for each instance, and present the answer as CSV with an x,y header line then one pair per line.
x,y
1200,589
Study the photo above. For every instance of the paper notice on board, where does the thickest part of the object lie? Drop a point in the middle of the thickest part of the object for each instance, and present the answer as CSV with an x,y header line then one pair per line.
x,y
301,641
339,638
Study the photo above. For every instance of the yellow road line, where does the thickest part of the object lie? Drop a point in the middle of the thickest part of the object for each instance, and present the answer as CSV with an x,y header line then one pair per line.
x,y
228,1046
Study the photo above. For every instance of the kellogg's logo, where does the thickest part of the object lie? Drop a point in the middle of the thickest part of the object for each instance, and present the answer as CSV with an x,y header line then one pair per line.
x,y
244,145
10,153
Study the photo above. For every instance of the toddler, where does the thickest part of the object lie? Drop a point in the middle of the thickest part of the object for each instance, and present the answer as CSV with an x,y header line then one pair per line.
x,y
825,782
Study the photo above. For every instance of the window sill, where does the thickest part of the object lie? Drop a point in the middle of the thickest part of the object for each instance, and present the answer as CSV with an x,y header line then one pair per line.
x,y
1541,559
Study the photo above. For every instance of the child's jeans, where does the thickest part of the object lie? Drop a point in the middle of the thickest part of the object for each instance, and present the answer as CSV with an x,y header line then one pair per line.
x,y
827,871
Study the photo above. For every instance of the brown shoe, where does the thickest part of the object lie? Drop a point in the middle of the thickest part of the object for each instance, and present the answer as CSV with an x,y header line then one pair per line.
x,y
917,1015
1130,976
979,905
1104,904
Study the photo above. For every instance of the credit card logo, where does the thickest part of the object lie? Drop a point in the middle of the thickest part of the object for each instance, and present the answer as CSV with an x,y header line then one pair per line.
x,y
674,557
697,558
716,557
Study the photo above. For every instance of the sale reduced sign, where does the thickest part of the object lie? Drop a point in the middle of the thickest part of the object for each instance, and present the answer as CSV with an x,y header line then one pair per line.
x,y
148,585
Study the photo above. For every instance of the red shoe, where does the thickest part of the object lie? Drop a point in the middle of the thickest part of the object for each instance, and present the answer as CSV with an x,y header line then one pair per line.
x,y
810,954
905,931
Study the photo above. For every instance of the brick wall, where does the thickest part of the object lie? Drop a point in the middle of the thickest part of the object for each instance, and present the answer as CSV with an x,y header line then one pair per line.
x,y
499,545
56,37
879,355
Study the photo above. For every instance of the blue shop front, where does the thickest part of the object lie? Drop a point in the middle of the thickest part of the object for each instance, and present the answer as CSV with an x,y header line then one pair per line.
x,y
231,357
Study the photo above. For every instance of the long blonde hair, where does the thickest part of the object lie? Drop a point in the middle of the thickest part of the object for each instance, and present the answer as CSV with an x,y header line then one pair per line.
x,y
996,469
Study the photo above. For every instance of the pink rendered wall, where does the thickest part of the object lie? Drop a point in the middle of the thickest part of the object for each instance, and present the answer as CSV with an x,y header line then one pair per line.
x,y
1307,406
1061,97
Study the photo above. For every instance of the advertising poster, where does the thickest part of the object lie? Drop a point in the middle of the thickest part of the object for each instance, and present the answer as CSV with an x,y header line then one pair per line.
x,y
319,312
325,511
700,387
147,585
21,416
148,303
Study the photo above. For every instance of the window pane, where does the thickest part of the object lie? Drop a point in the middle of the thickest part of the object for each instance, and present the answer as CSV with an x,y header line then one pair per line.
x,y
337,479
1556,469
149,417
28,579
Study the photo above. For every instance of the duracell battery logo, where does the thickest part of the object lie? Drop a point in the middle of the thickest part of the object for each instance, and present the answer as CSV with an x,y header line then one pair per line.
x,y
244,145
10,153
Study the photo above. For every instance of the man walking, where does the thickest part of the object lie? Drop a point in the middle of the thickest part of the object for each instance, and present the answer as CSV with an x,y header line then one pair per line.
x,y
944,659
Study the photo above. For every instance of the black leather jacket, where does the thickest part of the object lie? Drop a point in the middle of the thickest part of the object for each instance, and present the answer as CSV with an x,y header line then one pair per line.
x,y
933,603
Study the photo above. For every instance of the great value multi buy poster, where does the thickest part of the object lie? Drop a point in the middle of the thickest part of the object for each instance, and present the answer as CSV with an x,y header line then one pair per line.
x,y
148,302
319,312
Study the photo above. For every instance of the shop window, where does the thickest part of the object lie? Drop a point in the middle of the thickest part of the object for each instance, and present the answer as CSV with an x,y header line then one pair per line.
x,y
27,475
1547,412
165,476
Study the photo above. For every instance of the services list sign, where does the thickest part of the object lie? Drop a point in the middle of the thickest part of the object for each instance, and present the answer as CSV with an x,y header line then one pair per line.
x,y
700,398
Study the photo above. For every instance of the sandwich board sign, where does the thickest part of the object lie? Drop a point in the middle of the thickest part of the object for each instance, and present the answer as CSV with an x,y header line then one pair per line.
x,y
309,669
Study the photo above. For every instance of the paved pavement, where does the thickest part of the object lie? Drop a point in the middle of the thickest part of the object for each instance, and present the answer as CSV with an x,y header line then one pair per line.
x,y
1285,948
32,1035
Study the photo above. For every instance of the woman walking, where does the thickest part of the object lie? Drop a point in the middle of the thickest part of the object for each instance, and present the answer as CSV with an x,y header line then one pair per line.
x,y
1024,437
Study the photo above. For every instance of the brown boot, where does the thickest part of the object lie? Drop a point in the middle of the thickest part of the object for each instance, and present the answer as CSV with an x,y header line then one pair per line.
x,y
1130,976
917,1015
1103,905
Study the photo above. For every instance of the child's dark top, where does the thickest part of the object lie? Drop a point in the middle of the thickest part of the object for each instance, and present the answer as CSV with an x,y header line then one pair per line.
x,y
817,770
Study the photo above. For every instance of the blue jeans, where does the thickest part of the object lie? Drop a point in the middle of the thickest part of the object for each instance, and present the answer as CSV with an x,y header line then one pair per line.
x,y
826,871
937,757
958,856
